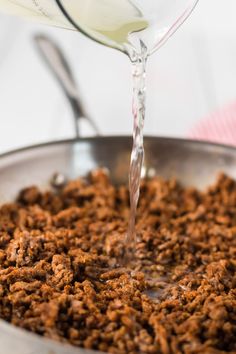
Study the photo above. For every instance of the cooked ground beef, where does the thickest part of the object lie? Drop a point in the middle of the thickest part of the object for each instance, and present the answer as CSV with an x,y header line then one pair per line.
x,y
60,278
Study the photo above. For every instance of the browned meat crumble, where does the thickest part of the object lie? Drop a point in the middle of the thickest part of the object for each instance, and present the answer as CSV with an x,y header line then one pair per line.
x,y
58,275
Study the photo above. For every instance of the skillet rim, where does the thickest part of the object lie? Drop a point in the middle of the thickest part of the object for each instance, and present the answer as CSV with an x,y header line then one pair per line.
x,y
180,140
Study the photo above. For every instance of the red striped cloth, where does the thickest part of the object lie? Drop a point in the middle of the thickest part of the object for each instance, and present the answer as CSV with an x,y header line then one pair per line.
x,y
219,127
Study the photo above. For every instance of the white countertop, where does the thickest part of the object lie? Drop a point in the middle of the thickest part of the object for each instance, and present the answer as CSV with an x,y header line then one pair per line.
x,y
194,74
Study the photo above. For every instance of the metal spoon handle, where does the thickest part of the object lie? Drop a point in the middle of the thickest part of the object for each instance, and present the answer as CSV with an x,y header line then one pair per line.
x,y
59,66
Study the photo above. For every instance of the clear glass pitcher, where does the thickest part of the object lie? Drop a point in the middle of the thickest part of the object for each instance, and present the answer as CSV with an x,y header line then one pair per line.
x,y
115,23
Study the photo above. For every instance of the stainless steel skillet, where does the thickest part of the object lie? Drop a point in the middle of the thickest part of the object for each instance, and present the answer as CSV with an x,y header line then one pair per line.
x,y
192,163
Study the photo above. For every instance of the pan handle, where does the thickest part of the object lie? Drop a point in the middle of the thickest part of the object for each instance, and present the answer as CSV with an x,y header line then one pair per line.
x,y
59,66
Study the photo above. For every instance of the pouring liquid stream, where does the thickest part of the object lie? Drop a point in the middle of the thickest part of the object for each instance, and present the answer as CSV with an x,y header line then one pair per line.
x,y
137,154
